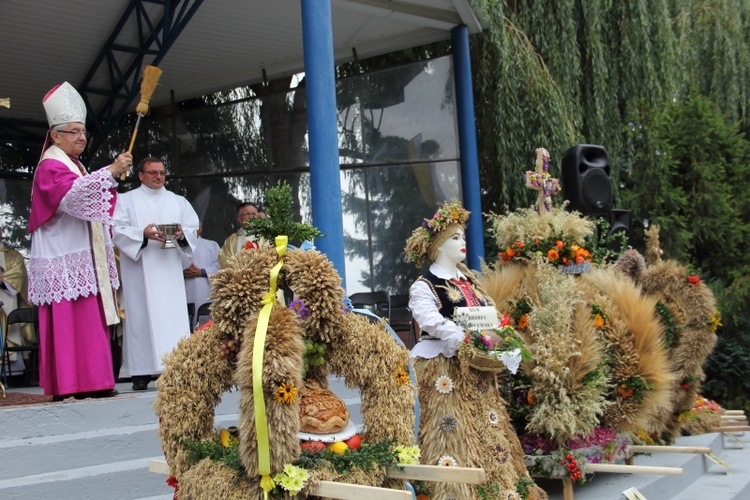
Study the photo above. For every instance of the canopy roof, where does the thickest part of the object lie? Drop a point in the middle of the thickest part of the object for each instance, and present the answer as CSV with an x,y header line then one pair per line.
x,y
202,46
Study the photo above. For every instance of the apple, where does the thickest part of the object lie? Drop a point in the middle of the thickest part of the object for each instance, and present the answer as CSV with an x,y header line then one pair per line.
x,y
313,446
354,442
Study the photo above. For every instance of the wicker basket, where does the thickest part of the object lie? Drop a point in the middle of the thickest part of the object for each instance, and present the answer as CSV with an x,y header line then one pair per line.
x,y
480,361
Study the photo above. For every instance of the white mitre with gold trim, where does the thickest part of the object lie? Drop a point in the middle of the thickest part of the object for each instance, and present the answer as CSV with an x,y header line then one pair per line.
x,y
63,104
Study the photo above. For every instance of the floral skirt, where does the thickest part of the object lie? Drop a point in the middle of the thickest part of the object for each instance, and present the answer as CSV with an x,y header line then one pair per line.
x,y
464,423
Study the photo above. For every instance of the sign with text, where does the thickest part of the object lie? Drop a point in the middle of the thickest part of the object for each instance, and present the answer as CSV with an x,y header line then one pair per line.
x,y
476,318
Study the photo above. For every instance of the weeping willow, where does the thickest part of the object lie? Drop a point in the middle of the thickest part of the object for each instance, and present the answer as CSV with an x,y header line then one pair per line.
x,y
554,73
714,52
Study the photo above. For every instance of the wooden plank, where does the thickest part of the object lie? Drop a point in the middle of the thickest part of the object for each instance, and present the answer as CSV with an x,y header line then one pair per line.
x,y
159,467
732,428
733,421
633,469
734,412
328,489
331,489
567,489
703,450
467,475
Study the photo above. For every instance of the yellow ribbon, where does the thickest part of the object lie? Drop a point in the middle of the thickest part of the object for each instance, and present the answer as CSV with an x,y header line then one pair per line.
x,y
261,422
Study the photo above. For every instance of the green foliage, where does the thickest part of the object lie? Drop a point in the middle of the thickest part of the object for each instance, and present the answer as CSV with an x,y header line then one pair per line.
x,y
670,328
280,218
420,487
523,486
685,181
368,457
214,450
519,106
488,491
714,50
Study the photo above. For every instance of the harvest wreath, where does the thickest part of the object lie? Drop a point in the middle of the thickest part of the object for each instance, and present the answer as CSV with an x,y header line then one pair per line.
x,y
196,374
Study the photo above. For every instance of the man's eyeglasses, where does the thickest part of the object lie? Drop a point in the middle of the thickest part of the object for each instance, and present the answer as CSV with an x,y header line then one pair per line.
x,y
155,173
76,133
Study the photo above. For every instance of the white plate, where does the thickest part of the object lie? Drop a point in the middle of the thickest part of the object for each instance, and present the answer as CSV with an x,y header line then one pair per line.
x,y
342,435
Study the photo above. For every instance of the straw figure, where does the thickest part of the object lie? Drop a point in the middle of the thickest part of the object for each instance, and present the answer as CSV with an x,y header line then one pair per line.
x,y
687,308
463,419
608,358
197,374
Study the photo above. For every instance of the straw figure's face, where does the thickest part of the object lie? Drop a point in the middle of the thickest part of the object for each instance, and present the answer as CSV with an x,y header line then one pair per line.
x,y
72,139
425,240
453,250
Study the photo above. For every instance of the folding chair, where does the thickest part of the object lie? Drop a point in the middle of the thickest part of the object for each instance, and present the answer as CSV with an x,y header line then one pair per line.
x,y
376,302
22,316
400,318
204,314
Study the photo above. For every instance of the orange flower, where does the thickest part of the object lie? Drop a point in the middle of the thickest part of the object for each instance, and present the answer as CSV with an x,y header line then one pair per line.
x,y
598,321
579,259
624,391
510,252
559,244
523,322
552,255
519,244
530,397
565,261
694,280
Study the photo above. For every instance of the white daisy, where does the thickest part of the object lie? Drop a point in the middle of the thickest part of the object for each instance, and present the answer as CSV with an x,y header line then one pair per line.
x,y
444,384
493,417
447,461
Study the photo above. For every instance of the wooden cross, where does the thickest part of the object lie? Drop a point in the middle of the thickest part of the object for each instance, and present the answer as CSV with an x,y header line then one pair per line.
x,y
542,182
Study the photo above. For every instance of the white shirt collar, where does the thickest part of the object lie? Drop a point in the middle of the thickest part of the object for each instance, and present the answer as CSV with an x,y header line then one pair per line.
x,y
443,274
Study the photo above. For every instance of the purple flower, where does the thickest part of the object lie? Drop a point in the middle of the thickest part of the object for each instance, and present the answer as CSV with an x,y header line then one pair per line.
x,y
347,305
487,342
300,309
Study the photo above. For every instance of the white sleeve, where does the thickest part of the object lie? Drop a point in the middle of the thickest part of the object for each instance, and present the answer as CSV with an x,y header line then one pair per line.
x,y
128,238
90,197
424,308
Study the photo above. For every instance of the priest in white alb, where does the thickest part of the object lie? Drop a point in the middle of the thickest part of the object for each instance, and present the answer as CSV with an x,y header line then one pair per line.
x,y
153,287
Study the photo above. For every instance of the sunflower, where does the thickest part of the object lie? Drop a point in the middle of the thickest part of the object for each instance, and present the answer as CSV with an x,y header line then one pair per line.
x,y
402,376
285,393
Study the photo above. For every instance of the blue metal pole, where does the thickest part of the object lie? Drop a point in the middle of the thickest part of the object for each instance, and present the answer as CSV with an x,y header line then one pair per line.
x,y
317,40
467,138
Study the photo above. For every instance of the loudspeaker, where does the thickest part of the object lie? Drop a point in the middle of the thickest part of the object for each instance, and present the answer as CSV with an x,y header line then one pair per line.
x,y
587,179
619,224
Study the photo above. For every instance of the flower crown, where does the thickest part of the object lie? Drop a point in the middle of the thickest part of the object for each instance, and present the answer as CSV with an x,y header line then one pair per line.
x,y
423,237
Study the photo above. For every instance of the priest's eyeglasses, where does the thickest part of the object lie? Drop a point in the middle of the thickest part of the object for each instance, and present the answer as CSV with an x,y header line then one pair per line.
x,y
76,133
155,173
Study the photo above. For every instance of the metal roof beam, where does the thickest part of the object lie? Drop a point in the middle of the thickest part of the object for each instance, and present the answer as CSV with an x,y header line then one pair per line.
x,y
418,14
146,28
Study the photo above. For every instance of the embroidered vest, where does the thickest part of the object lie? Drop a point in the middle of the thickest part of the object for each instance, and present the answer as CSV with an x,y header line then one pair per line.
x,y
451,294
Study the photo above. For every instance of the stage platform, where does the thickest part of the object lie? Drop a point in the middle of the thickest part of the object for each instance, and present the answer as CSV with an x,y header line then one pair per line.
x,y
97,449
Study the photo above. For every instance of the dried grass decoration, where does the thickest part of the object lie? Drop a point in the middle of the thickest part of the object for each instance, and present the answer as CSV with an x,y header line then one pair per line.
x,y
196,375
